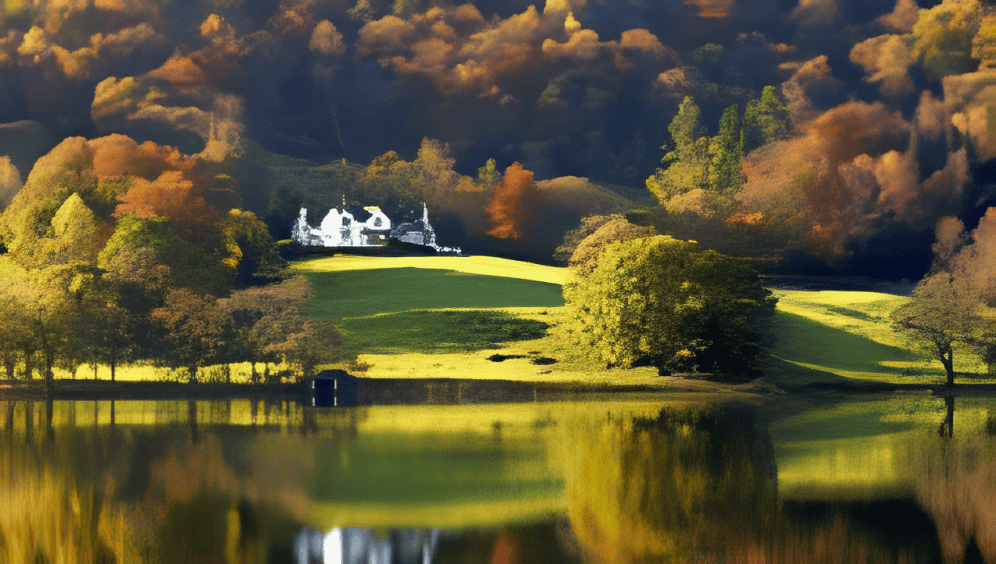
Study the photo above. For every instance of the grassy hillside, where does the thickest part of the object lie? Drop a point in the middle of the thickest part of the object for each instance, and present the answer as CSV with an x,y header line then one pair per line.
x,y
445,316
837,335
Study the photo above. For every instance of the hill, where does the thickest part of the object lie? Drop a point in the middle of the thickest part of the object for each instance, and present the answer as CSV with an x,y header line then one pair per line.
x,y
421,317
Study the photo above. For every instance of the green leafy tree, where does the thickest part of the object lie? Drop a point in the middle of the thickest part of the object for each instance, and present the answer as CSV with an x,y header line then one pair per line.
x,y
161,252
940,313
14,304
617,228
663,302
49,314
252,253
77,234
487,175
726,149
765,120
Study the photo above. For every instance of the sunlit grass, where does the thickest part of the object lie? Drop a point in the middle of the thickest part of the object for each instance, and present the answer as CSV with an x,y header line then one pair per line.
x,y
483,265
849,334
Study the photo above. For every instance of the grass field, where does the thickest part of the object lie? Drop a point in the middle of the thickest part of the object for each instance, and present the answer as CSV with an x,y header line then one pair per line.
x,y
411,317
841,335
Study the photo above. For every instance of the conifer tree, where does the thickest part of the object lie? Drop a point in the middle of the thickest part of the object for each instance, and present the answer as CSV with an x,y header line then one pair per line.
x,y
726,149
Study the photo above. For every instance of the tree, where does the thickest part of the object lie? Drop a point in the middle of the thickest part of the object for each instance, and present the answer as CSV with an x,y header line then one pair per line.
x,y
726,149
663,302
487,175
687,164
585,256
160,251
511,202
765,120
259,320
14,329
252,253
192,328
954,304
940,312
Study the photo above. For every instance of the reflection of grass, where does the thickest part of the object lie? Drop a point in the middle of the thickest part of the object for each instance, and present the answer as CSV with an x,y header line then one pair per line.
x,y
436,331
861,448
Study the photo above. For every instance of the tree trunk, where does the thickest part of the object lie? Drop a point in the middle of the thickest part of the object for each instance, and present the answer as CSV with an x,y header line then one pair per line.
x,y
947,359
29,364
254,378
9,364
192,373
49,363
114,366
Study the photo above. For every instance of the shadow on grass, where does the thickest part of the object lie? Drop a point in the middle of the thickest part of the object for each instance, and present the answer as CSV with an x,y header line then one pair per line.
x,y
361,293
806,341
445,331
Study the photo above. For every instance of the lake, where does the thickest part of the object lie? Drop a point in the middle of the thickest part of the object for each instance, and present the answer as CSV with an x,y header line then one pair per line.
x,y
567,477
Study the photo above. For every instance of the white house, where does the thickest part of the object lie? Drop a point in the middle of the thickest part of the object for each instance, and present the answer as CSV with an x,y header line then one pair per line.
x,y
368,226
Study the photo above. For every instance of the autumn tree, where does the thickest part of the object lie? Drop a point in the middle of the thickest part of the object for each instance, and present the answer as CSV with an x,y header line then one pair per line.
x,y
663,302
192,329
511,202
260,319
956,303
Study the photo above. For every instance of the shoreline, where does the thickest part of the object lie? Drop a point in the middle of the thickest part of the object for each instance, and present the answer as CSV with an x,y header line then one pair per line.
x,y
454,391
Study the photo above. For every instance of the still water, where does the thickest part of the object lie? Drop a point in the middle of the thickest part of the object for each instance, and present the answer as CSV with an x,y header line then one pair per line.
x,y
614,479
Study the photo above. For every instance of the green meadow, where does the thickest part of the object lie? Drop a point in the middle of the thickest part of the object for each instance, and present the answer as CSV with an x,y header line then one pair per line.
x,y
395,308
444,316
840,336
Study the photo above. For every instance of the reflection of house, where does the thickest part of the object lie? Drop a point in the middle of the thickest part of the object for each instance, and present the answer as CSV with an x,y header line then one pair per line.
x,y
366,546
357,226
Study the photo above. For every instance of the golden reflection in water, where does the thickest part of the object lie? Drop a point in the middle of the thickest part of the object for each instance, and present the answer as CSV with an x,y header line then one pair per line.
x,y
698,484
94,492
955,482
667,489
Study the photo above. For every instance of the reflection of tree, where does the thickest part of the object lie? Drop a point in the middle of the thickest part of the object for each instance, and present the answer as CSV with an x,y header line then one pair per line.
x,y
103,493
662,489
955,481
698,484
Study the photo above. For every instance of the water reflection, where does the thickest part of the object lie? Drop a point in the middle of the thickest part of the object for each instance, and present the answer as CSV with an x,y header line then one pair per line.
x,y
686,482
907,479
366,546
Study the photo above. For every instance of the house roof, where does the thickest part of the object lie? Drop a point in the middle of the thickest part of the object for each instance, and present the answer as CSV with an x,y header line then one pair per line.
x,y
358,213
